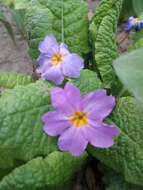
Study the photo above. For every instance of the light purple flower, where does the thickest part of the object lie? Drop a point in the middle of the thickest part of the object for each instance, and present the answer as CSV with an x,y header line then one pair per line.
x,y
56,62
78,120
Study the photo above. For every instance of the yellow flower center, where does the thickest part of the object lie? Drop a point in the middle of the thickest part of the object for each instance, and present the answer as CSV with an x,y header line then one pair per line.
x,y
57,58
79,119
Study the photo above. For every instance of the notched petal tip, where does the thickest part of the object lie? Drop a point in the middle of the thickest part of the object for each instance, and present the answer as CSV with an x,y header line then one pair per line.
x,y
70,87
72,141
48,42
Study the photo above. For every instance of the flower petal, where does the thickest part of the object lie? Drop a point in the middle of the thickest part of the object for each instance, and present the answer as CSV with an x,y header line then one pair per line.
x,y
55,123
60,101
72,65
101,135
64,50
46,46
54,74
98,105
90,98
73,141
73,96
44,64
66,100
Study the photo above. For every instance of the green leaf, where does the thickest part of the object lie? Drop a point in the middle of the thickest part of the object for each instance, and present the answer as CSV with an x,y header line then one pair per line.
x,y
114,181
21,4
138,6
137,44
103,31
88,81
21,134
126,156
66,19
129,69
48,173
127,10
7,2
10,80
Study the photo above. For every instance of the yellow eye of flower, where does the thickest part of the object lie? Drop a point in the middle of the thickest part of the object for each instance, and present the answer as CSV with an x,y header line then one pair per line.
x,y
79,119
57,58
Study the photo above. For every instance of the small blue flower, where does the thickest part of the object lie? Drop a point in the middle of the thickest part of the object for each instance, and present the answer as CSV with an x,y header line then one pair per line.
x,y
134,24
130,24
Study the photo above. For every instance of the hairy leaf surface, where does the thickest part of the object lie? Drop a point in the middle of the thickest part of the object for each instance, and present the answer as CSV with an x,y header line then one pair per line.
x,y
10,80
66,19
49,173
88,81
103,31
21,133
114,181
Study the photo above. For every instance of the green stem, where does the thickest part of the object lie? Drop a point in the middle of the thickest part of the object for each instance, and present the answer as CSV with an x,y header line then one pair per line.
x,y
62,21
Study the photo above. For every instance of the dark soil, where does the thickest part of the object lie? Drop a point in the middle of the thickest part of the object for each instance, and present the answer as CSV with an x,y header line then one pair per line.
x,y
13,57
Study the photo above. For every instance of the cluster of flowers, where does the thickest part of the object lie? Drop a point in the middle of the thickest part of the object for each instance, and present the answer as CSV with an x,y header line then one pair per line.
x,y
77,120
134,24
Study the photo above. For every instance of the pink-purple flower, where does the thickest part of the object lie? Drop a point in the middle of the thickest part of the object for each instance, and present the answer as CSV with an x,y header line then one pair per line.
x,y
79,120
56,62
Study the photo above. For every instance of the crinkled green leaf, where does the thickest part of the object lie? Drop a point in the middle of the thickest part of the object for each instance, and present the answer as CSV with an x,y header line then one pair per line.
x,y
48,173
21,4
10,80
126,156
88,81
103,30
66,19
21,133
129,68
114,181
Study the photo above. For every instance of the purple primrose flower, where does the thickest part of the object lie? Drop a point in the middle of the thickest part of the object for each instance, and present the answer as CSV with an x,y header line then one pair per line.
x,y
78,120
56,62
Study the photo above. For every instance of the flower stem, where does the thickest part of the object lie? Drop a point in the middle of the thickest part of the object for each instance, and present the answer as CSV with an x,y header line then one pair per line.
x,y
62,21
